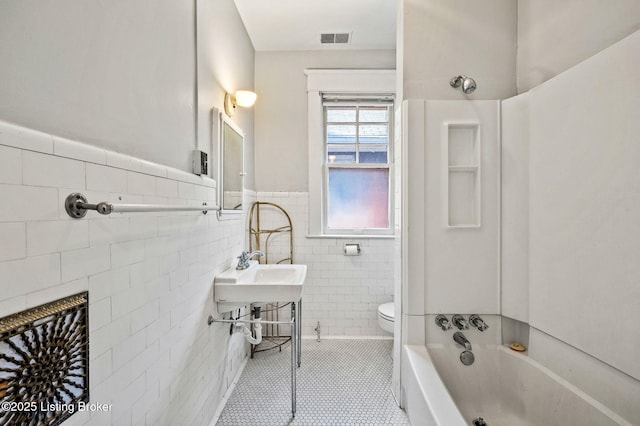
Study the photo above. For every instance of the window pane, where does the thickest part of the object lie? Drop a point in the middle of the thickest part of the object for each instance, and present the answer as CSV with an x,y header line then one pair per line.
x,y
341,115
373,154
358,198
374,114
341,154
341,133
374,133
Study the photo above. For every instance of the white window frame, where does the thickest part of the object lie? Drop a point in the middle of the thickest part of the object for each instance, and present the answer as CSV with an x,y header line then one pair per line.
x,y
348,82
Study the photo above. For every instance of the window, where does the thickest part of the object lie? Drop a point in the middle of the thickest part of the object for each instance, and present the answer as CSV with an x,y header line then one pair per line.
x,y
356,164
350,155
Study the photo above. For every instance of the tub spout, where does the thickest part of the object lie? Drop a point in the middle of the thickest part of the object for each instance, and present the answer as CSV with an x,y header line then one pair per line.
x,y
460,339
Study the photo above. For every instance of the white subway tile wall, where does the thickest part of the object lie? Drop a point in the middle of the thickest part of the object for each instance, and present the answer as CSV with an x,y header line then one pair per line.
x,y
149,275
341,292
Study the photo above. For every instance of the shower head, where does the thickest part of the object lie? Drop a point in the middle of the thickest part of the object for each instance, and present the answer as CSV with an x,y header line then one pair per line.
x,y
468,84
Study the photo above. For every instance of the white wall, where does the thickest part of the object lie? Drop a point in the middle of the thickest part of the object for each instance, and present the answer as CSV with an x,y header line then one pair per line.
x,y
554,35
585,201
225,64
342,293
442,39
122,77
281,110
152,354
107,75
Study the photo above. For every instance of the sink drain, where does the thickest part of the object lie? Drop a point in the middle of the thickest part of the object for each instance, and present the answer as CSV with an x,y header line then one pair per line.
x,y
479,422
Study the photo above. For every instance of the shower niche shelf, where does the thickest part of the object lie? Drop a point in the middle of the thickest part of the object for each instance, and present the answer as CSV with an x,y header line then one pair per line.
x,y
462,174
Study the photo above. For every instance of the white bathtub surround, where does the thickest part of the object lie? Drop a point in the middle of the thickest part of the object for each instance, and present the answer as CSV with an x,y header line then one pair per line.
x,y
514,227
569,266
448,268
501,386
585,204
341,292
149,275
573,152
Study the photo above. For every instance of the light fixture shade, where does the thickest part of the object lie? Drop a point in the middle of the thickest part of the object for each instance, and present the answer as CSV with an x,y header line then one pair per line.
x,y
245,98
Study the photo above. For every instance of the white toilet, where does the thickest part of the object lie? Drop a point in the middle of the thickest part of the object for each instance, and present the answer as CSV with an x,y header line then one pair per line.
x,y
386,316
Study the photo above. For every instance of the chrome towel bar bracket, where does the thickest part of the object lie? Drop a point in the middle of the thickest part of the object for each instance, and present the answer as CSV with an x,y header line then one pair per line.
x,y
76,206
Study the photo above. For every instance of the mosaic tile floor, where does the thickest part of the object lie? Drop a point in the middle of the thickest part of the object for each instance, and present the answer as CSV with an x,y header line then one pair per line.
x,y
340,382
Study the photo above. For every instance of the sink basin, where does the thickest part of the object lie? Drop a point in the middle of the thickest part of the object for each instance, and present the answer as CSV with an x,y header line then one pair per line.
x,y
258,284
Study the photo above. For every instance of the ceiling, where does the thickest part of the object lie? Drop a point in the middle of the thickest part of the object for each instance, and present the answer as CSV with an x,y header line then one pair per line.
x,y
297,24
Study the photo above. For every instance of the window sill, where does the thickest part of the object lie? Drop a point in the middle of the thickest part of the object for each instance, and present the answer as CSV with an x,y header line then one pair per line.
x,y
353,237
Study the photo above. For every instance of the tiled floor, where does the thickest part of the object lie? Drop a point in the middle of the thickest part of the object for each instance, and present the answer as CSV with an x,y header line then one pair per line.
x,y
340,382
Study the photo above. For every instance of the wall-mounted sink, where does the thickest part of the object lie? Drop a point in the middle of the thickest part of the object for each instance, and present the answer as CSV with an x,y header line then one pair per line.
x,y
258,284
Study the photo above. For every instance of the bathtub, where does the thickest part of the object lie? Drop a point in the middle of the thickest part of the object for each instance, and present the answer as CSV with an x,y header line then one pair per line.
x,y
503,387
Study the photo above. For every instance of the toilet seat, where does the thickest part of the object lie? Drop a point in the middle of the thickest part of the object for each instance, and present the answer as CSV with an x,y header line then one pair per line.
x,y
386,316
386,311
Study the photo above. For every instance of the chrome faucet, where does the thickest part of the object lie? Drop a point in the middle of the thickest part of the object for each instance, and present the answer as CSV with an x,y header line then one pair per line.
x,y
477,322
443,322
459,321
459,338
245,257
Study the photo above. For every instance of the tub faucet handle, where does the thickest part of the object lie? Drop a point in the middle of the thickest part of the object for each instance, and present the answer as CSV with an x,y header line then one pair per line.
x,y
477,322
459,321
443,322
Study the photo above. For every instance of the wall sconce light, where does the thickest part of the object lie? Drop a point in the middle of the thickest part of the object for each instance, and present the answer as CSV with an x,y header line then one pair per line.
x,y
243,98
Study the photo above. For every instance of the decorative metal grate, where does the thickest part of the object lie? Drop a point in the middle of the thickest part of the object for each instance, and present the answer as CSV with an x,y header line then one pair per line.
x,y
44,362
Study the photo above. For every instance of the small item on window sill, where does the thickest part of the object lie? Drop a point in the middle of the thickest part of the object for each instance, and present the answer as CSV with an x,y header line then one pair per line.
x,y
352,249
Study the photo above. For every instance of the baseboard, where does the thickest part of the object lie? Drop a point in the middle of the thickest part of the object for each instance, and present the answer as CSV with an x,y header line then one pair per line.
x,y
228,393
341,337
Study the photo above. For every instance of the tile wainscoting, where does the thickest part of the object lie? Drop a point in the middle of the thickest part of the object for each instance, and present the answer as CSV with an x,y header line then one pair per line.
x,y
149,275
341,292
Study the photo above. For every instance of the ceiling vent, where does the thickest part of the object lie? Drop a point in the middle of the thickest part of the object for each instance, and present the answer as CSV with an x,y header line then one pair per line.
x,y
335,38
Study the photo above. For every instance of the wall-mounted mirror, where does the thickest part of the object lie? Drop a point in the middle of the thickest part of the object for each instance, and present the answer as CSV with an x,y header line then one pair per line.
x,y
231,177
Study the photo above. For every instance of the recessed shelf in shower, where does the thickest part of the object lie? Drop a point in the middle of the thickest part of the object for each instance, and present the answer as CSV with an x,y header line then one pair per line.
x,y
462,174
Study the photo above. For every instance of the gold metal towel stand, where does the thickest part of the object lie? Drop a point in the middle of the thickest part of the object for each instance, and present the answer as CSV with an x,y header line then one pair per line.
x,y
259,240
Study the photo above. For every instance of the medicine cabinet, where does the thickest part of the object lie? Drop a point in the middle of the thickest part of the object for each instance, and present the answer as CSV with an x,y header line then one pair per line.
x,y
231,170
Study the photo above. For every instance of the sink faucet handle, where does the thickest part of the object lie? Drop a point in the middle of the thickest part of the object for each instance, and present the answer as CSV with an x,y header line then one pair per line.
x,y
245,257
443,322
459,321
243,260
